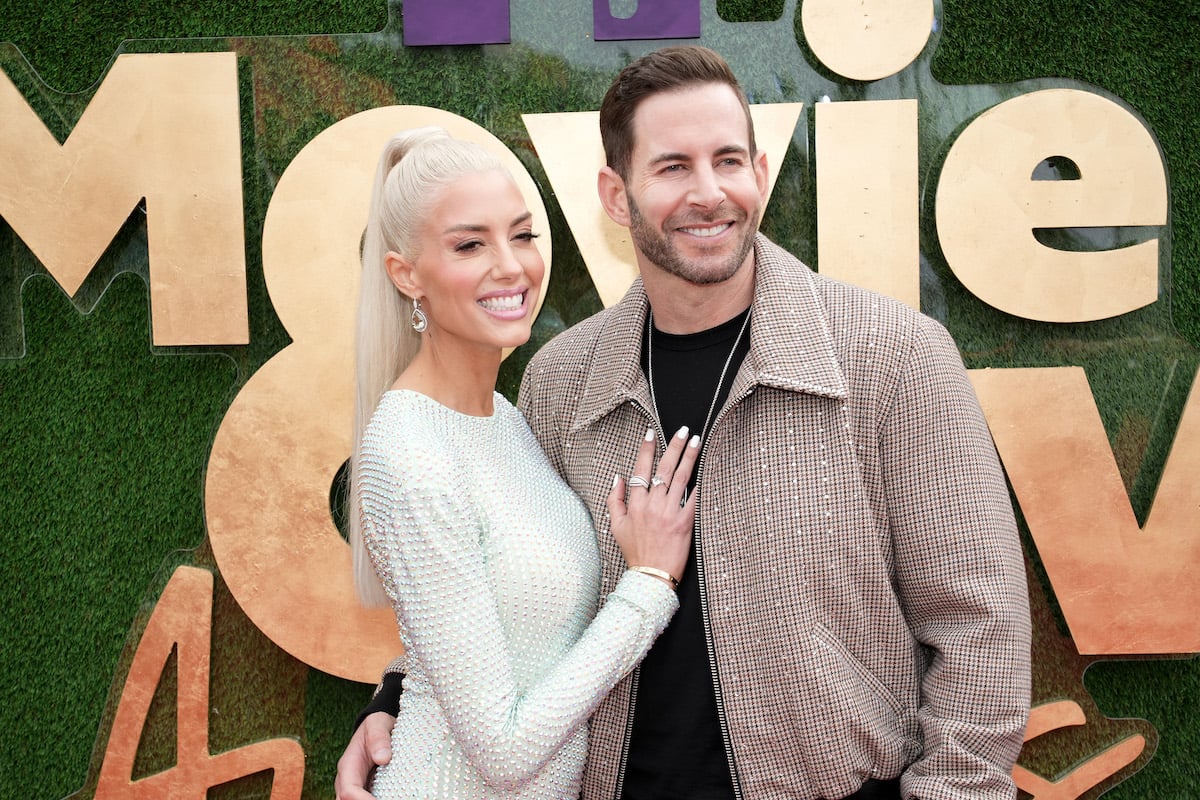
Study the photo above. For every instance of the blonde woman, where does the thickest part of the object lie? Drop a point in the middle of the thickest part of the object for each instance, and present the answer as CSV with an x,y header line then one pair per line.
x,y
489,560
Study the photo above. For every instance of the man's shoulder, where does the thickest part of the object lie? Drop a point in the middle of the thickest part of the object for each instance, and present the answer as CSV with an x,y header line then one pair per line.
x,y
575,344
858,321
844,298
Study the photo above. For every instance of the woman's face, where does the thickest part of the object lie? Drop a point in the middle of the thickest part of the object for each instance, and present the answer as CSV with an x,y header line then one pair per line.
x,y
478,272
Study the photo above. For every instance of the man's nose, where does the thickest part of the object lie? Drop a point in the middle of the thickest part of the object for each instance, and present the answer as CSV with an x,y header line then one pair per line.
x,y
706,190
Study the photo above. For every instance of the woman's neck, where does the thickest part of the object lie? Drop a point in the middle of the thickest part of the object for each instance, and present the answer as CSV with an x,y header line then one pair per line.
x,y
460,382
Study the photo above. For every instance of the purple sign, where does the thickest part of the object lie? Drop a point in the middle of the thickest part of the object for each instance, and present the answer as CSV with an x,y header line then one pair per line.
x,y
654,19
430,22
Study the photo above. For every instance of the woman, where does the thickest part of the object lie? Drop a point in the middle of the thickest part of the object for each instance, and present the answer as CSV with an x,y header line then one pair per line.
x,y
489,560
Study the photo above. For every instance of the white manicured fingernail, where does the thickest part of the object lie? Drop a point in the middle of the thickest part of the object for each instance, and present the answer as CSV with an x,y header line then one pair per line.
x,y
681,433
615,479
649,434
695,442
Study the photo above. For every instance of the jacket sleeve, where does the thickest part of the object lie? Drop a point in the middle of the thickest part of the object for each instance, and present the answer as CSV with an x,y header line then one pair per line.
x,y
434,561
960,576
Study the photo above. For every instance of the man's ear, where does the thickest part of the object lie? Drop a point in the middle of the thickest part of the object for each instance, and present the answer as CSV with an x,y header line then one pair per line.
x,y
761,175
612,195
401,273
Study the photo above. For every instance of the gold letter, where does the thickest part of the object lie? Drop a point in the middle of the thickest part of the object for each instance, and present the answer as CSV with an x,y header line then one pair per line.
x,y
988,206
867,219
162,127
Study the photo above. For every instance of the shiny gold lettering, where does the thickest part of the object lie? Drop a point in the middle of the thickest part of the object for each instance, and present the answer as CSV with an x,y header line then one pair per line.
x,y
867,215
162,127
988,206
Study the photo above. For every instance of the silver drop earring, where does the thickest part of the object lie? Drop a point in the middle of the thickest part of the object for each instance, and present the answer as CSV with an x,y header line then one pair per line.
x,y
418,320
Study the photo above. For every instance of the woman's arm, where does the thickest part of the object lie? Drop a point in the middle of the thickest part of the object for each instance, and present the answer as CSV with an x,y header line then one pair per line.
x,y
433,562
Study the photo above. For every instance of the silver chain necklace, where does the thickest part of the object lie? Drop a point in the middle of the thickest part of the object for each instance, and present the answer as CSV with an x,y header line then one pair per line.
x,y
720,381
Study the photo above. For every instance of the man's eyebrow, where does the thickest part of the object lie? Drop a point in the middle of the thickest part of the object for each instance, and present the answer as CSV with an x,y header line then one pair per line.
x,y
659,159
729,149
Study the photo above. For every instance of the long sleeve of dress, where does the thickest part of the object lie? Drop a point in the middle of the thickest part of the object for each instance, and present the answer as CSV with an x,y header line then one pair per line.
x,y
495,615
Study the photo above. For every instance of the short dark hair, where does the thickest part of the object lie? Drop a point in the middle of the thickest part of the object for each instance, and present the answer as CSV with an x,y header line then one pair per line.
x,y
663,70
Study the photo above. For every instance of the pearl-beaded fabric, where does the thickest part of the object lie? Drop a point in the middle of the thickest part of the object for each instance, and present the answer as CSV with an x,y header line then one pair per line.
x,y
493,570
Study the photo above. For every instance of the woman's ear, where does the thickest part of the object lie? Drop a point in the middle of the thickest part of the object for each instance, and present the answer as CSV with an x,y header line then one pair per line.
x,y
401,273
612,195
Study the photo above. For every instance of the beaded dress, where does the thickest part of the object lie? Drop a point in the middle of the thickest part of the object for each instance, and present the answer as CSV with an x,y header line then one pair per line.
x,y
493,570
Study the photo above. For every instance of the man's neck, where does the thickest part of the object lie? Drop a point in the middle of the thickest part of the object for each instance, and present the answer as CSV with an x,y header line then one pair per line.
x,y
682,307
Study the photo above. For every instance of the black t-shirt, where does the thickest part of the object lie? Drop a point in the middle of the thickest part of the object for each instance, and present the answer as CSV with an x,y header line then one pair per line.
x,y
676,749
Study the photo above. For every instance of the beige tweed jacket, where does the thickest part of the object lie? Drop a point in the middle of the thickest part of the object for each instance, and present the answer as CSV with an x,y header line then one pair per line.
x,y
862,579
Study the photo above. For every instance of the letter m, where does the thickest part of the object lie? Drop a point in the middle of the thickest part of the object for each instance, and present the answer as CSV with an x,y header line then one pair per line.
x,y
160,127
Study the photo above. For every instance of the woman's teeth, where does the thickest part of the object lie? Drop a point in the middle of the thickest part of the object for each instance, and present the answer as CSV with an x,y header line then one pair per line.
x,y
508,303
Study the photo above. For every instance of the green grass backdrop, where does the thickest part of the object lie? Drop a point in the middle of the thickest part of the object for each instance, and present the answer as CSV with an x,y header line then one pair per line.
x,y
103,439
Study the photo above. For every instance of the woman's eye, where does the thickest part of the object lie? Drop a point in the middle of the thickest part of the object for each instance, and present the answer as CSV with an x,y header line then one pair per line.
x,y
527,236
468,246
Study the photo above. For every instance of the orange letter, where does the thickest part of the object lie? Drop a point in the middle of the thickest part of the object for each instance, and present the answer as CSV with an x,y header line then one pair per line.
x,y
182,618
1123,590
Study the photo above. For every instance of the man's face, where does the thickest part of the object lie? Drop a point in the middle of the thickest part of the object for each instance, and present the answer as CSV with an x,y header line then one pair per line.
x,y
694,191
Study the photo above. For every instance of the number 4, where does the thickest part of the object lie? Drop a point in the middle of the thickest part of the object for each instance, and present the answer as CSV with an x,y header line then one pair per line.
x,y
183,618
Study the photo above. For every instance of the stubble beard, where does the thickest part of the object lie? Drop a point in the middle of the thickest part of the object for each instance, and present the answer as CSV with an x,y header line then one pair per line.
x,y
655,246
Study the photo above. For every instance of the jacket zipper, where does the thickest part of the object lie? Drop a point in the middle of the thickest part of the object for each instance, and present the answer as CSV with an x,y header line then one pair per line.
x,y
623,761
708,639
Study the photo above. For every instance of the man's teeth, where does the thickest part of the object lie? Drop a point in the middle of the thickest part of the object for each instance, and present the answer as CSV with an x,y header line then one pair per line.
x,y
709,231
508,303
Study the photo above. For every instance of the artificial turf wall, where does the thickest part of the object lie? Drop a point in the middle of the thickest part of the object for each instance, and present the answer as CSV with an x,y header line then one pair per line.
x,y
104,439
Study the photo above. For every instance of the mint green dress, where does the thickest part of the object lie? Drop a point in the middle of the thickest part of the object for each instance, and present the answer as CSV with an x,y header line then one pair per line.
x,y
493,569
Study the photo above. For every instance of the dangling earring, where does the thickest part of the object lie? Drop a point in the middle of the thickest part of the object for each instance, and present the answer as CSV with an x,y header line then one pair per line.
x,y
418,320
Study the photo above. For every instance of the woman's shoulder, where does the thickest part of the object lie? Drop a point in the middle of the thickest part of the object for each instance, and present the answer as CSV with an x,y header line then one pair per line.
x,y
408,426
404,427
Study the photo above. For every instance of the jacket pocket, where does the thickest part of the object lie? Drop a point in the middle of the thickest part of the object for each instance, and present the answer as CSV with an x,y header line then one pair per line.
x,y
854,718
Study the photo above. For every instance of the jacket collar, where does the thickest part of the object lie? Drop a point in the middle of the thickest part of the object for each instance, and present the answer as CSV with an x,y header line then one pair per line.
x,y
791,346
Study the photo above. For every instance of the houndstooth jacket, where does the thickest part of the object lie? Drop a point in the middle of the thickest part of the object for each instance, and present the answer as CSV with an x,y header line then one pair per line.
x,y
862,578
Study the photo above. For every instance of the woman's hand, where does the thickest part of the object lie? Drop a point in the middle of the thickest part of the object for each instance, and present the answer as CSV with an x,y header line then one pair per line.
x,y
651,521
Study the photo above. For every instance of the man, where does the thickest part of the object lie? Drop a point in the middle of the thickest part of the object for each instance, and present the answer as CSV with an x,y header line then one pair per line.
x,y
854,619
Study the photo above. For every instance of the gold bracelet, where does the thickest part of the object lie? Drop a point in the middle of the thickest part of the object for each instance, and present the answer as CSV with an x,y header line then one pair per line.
x,y
661,574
